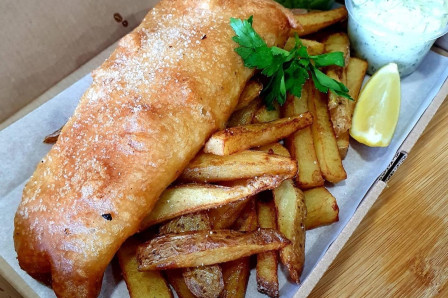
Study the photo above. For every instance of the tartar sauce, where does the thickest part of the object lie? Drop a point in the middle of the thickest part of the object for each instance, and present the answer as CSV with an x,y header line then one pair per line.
x,y
400,31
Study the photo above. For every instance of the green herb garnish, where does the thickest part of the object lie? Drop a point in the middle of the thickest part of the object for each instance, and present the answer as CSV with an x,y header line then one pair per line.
x,y
286,71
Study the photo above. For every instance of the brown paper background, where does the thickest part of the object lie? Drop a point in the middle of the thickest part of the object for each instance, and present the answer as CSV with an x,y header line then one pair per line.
x,y
43,41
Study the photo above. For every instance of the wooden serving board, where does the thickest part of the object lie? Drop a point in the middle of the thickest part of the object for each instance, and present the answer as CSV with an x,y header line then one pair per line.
x,y
401,247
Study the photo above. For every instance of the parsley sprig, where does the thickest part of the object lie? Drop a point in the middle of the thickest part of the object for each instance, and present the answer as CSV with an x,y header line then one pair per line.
x,y
286,71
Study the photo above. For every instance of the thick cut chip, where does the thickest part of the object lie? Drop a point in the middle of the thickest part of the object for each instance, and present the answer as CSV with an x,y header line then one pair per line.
x,y
235,139
190,198
325,144
267,263
315,21
191,249
140,284
291,213
250,92
321,207
301,144
245,115
245,164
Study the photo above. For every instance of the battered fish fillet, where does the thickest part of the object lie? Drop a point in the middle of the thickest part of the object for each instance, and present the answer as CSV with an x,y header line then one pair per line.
x,y
168,86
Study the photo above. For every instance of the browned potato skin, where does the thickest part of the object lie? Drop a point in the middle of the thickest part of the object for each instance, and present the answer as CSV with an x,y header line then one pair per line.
x,y
315,21
140,284
355,73
267,262
190,198
236,273
191,249
202,281
291,213
322,208
225,216
325,144
301,144
250,92
176,280
313,47
263,114
235,139
245,164
245,115
338,105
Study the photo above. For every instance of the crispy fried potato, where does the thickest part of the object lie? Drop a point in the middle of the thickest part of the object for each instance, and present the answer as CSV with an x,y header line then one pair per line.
x,y
291,213
263,114
190,198
53,137
176,280
188,222
240,138
275,148
236,276
202,281
322,208
315,21
245,164
356,71
301,144
338,105
140,284
343,141
245,115
267,263
236,273
313,47
327,151
250,92
191,249
225,216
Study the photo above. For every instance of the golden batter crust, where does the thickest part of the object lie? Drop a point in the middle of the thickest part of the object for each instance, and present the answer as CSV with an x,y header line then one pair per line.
x,y
171,82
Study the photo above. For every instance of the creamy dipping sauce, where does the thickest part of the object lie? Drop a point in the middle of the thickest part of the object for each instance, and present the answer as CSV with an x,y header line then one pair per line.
x,y
400,31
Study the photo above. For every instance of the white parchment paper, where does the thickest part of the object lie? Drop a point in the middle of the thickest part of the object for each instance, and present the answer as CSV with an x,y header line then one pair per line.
x,y
21,148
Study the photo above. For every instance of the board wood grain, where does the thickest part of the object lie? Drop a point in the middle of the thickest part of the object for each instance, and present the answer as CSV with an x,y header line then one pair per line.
x,y
401,247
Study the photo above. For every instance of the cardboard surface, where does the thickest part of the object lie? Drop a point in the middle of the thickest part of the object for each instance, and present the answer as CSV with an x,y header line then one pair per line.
x,y
44,41
346,230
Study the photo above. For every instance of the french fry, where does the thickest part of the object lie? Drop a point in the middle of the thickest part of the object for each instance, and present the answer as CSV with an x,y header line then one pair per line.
x,y
327,151
315,21
236,273
190,198
245,115
191,249
176,280
140,284
202,281
322,208
338,105
343,142
188,222
263,114
267,263
250,92
225,216
275,148
301,144
355,73
291,212
245,164
313,47
234,139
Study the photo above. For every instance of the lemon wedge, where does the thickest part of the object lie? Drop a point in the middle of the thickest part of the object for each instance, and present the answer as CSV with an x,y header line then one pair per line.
x,y
376,113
